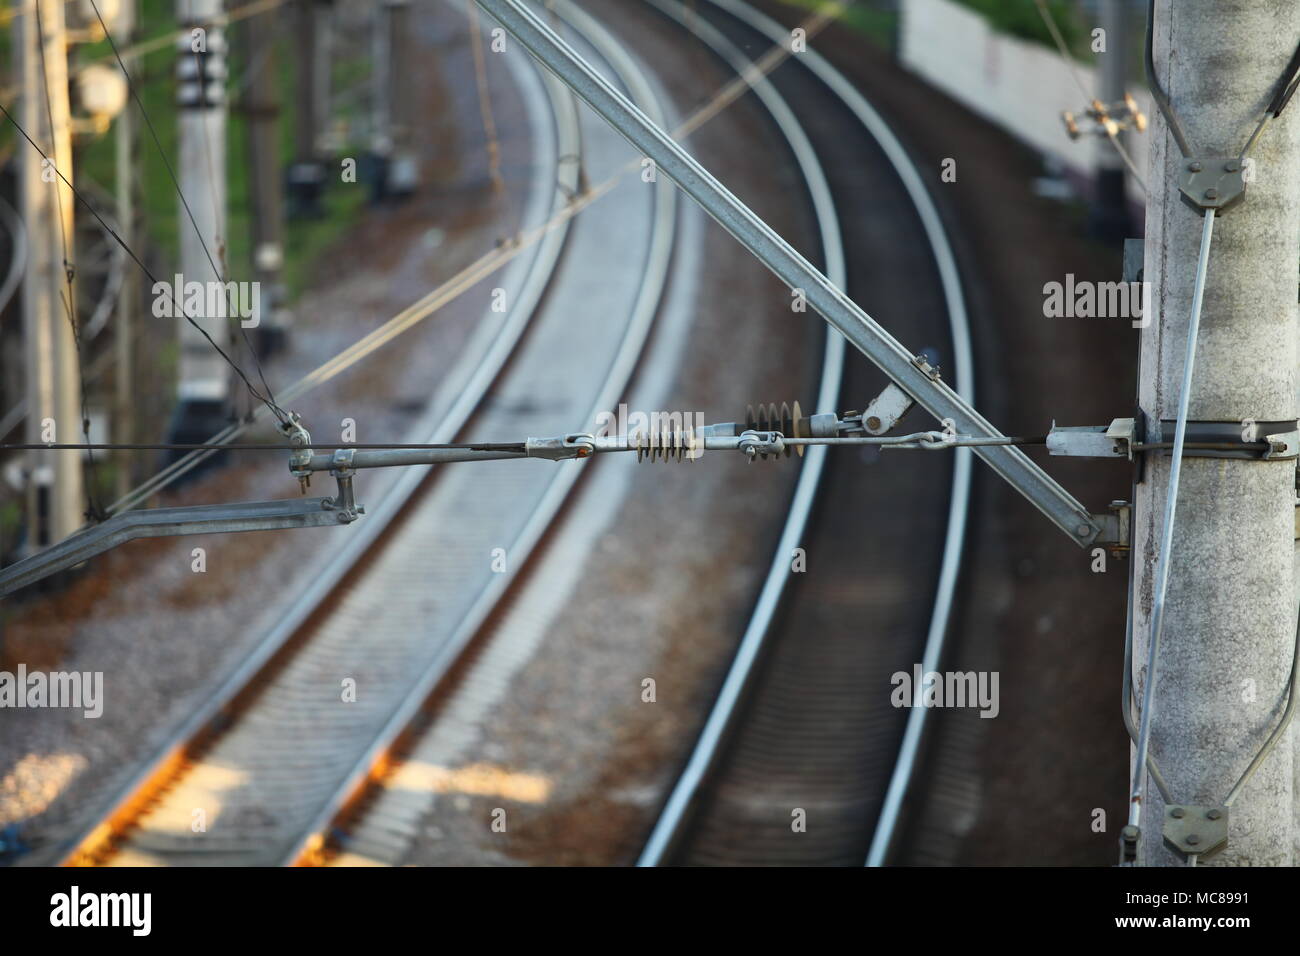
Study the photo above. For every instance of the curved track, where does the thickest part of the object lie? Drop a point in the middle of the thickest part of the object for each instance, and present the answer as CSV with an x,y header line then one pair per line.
x,y
276,746
803,760
394,803
339,822
280,767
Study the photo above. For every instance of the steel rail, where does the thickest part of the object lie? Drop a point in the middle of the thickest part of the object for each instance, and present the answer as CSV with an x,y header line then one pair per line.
x,y
682,800
483,360
950,279
917,379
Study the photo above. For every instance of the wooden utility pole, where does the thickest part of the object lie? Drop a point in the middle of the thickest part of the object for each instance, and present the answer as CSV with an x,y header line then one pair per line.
x,y
1225,649
56,496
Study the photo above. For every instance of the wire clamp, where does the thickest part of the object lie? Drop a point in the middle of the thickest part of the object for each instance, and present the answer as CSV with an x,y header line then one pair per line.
x,y
345,502
300,457
1195,831
923,363
572,445
583,444
755,443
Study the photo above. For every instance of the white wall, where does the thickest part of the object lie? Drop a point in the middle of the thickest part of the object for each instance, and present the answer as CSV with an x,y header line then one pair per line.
x,y
1018,85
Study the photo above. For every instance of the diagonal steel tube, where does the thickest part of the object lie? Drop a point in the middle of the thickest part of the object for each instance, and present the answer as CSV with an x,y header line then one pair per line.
x,y
759,238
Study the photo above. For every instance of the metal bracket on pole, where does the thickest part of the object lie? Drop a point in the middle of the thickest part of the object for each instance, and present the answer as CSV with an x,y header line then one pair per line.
x,y
1262,441
1116,529
1093,441
1217,183
1196,831
759,238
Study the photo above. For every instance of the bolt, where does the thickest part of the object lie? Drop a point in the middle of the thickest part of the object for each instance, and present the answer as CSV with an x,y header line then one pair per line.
x,y
1195,167
1213,814
1193,840
1177,813
1082,530
873,423
1211,194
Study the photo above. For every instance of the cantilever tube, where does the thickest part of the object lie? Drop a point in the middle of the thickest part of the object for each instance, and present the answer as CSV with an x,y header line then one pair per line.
x,y
167,522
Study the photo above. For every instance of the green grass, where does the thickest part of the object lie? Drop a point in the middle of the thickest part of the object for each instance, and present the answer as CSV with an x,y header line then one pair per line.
x,y
870,19
1021,18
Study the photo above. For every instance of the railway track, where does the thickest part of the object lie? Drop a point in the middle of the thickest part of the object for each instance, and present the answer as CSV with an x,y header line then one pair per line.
x,y
282,769
283,741
374,823
803,759
371,818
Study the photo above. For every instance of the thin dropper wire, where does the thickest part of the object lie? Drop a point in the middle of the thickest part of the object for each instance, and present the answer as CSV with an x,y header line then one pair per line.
x,y
1167,532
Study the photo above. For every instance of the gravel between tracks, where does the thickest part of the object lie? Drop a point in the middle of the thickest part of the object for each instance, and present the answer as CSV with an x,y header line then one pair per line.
x,y
157,630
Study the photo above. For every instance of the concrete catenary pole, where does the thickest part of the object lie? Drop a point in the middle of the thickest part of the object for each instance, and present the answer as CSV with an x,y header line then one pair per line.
x,y
204,384
390,138
55,502
313,25
261,108
403,173
1230,614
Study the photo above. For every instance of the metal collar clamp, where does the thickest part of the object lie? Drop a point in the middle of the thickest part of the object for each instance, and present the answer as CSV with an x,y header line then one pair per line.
x,y
1250,440
1264,441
